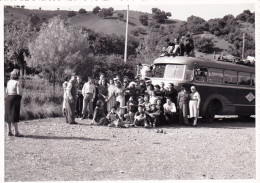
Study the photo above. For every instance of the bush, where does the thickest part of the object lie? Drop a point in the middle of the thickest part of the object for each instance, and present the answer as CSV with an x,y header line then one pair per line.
x,y
71,14
82,11
96,10
203,44
120,16
104,12
143,19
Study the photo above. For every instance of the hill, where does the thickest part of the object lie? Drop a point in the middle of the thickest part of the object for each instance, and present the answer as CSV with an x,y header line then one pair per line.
x,y
114,25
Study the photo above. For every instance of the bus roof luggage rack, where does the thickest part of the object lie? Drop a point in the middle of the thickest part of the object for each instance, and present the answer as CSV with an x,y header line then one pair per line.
x,y
235,60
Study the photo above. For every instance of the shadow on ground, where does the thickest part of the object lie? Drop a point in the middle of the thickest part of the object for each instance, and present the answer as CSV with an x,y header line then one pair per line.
x,y
62,138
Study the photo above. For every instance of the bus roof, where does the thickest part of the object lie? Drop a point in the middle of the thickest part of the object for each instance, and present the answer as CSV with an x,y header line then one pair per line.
x,y
203,62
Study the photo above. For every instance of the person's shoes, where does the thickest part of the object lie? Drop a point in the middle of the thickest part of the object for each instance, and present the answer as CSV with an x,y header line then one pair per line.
x,y
83,117
90,117
18,135
10,134
74,123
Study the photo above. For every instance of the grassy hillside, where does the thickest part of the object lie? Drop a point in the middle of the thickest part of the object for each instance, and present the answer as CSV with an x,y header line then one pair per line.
x,y
113,25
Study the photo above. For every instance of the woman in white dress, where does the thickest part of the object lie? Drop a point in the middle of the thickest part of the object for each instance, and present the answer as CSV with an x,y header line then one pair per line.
x,y
194,105
111,98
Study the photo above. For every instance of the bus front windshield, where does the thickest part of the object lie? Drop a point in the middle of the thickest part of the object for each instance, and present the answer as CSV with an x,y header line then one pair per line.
x,y
168,71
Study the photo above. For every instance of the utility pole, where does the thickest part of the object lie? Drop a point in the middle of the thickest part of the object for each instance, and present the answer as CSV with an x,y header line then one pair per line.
x,y
126,32
243,48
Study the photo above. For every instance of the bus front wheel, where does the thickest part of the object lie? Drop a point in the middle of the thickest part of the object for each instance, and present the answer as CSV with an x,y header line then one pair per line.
x,y
210,112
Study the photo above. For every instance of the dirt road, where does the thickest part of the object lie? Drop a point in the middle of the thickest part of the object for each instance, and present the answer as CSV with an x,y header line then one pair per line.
x,y
55,151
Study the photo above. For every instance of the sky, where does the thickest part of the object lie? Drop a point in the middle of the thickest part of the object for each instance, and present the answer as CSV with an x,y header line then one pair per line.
x,y
180,9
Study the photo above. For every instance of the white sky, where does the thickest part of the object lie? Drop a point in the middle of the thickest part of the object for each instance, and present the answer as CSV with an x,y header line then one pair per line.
x,y
205,9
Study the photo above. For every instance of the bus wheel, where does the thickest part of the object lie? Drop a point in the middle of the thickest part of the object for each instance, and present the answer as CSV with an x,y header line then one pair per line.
x,y
244,117
210,112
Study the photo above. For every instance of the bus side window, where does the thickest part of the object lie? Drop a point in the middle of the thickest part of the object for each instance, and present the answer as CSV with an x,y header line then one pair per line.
x,y
230,77
244,78
201,74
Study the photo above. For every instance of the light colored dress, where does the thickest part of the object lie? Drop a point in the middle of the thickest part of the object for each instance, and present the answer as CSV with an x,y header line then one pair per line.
x,y
112,98
193,104
120,97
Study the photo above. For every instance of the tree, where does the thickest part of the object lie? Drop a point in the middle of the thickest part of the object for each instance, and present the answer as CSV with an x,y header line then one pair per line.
x,y
204,44
96,10
22,6
71,14
82,11
143,19
58,49
17,36
196,24
104,12
120,16
160,16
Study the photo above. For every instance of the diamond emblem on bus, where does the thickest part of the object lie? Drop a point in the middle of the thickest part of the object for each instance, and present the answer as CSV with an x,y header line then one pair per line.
x,y
250,97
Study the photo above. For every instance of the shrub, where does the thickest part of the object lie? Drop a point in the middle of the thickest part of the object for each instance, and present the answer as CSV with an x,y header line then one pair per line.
x,y
96,10
71,14
203,44
82,11
104,12
143,19
120,16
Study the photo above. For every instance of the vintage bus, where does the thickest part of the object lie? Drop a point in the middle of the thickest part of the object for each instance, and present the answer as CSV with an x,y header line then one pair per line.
x,y
225,88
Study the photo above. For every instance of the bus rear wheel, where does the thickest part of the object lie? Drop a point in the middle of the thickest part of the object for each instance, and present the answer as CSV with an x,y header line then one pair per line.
x,y
244,117
210,112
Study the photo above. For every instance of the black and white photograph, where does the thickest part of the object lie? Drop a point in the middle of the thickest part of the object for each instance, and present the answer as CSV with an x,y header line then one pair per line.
x,y
129,90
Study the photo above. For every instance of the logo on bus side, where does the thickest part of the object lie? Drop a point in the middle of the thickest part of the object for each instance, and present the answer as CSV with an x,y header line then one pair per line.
x,y
250,97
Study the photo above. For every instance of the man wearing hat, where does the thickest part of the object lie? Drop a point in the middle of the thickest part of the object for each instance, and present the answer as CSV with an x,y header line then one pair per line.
x,y
183,105
71,99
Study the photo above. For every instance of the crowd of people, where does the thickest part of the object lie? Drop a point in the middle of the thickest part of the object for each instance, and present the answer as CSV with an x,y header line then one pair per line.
x,y
124,103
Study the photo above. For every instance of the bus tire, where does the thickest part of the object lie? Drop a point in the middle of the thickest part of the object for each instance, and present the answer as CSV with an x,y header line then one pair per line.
x,y
210,113
244,117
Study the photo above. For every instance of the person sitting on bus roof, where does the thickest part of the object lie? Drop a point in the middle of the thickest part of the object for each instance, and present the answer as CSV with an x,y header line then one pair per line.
x,y
188,43
169,49
182,46
176,50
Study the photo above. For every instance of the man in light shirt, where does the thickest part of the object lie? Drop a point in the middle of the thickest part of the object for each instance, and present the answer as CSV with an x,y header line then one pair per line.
x,y
169,111
89,93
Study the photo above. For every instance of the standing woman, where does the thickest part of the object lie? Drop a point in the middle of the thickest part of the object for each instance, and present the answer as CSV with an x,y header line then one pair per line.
x,y
13,103
194,105
111,98
103,94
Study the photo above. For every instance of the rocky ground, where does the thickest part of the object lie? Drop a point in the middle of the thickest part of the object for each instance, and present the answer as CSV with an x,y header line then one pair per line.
x,y
55,151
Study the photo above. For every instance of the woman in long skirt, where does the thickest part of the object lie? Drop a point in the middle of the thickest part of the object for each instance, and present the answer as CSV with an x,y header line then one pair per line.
x,y
111,98
13,103
194,105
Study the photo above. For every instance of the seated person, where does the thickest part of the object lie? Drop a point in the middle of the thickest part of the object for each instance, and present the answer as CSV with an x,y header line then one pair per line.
x,y
99,113
169,49
140,100
158,92
153,98
176,50
147,104
131,110
169,111
140,117
153,116
112,118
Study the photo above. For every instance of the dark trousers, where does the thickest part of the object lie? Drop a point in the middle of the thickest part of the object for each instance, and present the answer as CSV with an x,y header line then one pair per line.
x,y
79,105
